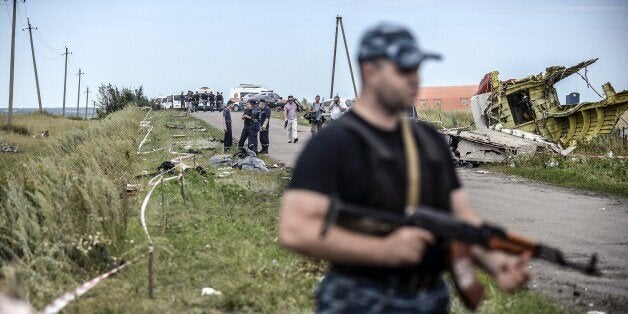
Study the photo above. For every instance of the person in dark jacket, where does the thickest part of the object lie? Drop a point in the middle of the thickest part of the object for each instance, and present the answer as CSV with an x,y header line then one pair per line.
x,y
254,126
226,119
264,121
247,119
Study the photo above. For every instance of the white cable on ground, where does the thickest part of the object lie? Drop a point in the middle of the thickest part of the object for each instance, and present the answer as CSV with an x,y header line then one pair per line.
x,y
62,301
139,148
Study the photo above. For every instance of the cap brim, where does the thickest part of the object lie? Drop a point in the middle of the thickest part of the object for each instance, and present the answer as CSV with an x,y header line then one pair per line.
x,y
431,56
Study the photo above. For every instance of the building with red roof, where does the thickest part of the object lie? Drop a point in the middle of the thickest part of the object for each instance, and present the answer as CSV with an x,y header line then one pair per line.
x,y
445,98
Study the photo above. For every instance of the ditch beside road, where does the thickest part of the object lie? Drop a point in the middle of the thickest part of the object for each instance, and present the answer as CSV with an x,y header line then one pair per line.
x,y
576,221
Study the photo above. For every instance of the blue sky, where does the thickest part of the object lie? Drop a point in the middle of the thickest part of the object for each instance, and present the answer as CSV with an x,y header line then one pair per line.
x,y
169,46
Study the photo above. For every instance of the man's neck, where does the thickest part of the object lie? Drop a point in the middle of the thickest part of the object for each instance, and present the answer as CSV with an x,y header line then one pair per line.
x,y
370,110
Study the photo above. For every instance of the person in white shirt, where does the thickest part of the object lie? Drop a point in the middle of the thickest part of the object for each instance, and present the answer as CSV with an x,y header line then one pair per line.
x,y
336,109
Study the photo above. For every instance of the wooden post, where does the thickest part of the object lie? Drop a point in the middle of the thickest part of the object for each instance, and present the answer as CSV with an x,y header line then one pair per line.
x,y
163,205
151,273
182,193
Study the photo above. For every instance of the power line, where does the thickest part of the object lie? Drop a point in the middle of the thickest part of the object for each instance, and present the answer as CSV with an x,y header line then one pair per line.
x,y
19,14
47,58
45,42
8,13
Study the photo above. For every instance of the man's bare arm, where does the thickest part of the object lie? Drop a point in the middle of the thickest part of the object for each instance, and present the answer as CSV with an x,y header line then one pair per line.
x,y
302,215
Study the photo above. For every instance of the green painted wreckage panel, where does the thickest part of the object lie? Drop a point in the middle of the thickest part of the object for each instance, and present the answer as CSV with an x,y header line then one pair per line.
x,y
531,104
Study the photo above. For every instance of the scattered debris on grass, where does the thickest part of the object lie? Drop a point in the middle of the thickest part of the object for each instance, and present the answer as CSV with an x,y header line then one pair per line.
x,y
132,188
207,291
6,148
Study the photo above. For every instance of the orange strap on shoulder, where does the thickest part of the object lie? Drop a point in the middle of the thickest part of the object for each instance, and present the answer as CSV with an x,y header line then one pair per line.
x,y
413,193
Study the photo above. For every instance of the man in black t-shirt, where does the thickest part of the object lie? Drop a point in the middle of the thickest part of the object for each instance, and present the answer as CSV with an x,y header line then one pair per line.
x,y
398,270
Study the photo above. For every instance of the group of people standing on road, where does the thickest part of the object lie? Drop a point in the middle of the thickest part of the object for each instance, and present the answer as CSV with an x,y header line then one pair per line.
x,y
191,101
315,114
256,117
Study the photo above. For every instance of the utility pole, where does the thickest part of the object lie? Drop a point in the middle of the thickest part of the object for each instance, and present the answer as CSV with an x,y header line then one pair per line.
x,y
333,67
65,77
78,98
10,117
342,28
30,35
86,101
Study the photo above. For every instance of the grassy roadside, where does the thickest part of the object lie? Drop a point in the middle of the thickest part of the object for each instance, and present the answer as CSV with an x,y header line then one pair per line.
x,y
223,236
583,169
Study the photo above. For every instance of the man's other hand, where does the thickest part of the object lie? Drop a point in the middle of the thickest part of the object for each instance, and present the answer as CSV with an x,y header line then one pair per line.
x,y
511,272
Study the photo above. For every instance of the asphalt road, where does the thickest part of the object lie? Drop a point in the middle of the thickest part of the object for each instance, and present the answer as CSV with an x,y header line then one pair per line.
x,y
578,222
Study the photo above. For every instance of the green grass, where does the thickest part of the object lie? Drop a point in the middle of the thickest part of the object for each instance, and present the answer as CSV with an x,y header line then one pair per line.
x,y
583,169
224,236
446,119
524,301
593,174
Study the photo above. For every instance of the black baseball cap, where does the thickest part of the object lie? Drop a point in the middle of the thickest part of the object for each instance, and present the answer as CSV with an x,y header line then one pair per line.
x,y
262,100
393,42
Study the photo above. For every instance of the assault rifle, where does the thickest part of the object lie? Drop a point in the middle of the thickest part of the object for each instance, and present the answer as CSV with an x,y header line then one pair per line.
x,y
462,235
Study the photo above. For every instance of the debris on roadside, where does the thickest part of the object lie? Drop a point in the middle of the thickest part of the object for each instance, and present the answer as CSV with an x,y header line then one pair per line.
x,y
207,291
497,144
531,104
131,189
166,166
180,127
201,170
224,174
200,144
552,163
251,163
221,160
6,148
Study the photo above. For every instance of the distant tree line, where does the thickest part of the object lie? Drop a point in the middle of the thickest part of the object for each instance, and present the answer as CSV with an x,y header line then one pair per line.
x,y
111,99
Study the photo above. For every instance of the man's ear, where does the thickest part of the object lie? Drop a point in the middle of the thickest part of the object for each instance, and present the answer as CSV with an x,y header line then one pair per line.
x,y
369,73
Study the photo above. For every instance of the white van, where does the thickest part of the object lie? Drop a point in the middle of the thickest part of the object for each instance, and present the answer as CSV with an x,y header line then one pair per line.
x,y
245,89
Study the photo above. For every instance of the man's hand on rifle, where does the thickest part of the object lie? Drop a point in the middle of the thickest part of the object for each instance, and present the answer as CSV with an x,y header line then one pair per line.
x,y
406,246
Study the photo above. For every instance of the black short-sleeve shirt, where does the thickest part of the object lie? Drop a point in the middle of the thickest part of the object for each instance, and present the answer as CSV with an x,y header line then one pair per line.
x,y
335,162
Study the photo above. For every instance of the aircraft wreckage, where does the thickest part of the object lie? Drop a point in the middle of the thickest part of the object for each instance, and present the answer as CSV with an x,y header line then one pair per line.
x,y
524,116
